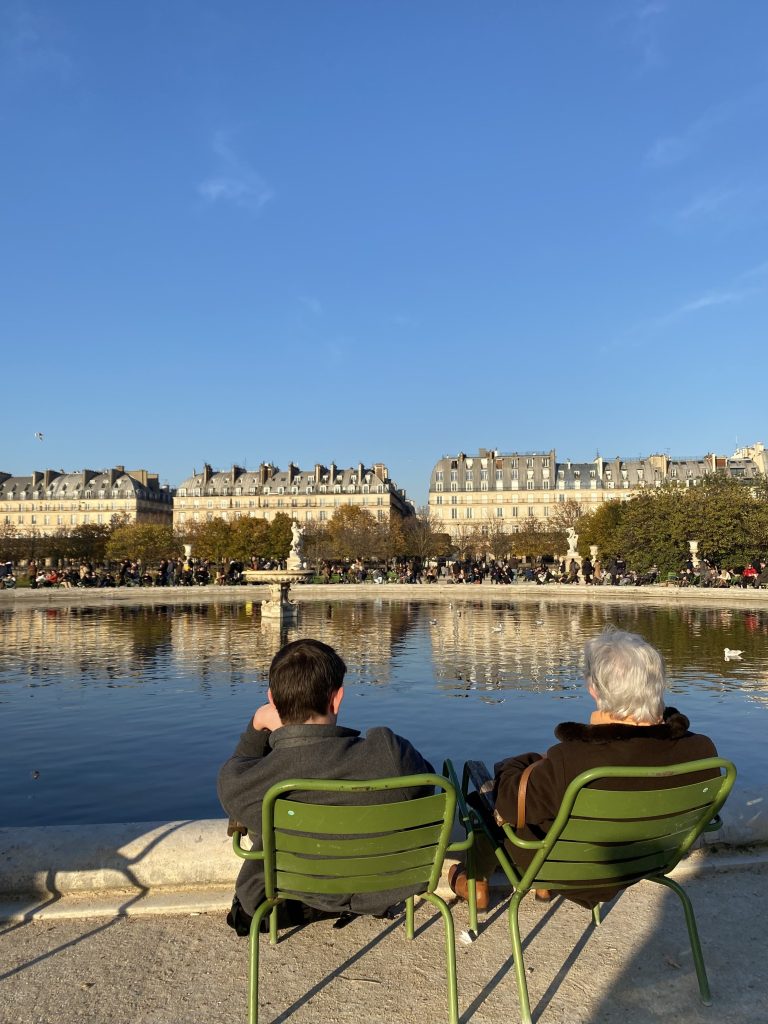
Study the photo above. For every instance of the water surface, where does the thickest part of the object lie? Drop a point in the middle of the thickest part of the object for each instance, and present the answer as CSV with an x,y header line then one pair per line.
x,y
126,713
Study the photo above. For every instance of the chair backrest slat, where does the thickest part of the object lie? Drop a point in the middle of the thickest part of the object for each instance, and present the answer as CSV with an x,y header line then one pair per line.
x,y
588,871
331,846
349,867
649,803
598,852
624,831
287,884
358,818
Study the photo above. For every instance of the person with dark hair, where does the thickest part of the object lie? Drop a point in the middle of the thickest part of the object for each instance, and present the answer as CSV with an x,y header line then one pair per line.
x,y
295,736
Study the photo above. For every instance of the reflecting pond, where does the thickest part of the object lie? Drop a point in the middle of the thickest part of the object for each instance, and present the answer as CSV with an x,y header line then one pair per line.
x,y
126,713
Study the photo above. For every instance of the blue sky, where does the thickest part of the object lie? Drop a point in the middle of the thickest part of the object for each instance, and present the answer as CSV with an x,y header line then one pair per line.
x,y
380,230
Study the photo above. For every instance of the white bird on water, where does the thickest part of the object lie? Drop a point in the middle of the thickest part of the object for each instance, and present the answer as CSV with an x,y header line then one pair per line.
x,y
497,628
732,655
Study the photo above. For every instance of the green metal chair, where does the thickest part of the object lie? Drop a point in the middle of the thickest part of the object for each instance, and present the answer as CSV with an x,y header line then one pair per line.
x,y
608,837
327,848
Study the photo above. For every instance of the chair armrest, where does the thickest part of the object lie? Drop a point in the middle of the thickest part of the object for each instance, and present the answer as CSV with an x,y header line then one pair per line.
x,y
245,854
233,825
477,773
464,813
483,811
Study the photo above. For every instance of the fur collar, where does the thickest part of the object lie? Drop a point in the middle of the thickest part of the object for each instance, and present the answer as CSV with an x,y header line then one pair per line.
x,y
673,727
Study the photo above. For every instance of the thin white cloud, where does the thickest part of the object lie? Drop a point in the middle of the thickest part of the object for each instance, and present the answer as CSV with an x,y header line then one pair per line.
x,y
236,182
708,203
674,149
760,270
743,204
670,150
714,299
404,320
30,44
641,26
314,305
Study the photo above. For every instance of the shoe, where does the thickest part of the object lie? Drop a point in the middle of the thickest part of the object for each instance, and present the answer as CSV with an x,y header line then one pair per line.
x,y
459,885
542,895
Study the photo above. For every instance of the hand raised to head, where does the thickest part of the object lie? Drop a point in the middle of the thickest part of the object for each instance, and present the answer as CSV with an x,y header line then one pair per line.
x,y
266,717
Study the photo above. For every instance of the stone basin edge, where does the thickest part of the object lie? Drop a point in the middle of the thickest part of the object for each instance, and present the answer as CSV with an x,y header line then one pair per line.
x,y
148,857
309,593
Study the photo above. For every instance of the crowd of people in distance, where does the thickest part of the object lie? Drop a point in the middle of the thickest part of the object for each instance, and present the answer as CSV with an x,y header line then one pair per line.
x,y
169,573
707,574
198,572
500,572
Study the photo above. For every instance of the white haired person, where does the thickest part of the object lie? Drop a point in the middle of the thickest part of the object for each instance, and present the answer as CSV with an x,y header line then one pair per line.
x,y
631,728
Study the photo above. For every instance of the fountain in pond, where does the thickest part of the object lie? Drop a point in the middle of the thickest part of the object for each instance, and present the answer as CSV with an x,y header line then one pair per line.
x,y
279,606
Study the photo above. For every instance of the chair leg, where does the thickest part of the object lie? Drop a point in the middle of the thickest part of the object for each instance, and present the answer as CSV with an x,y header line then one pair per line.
x,y
253,955
517,953
693,935
472,890
450,955
409,918
596,914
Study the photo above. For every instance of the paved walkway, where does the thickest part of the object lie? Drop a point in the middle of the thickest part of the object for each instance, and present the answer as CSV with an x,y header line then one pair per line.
x,y
635,969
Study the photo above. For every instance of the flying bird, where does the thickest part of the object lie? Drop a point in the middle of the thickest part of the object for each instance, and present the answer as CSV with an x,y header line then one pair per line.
x,y
38,436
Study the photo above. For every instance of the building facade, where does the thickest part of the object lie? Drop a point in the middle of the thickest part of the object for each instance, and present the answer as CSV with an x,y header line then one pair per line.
x,y
49,501
305,495
509,488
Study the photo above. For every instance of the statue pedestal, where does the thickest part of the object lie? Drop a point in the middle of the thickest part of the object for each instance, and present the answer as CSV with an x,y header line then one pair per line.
x,y
279,606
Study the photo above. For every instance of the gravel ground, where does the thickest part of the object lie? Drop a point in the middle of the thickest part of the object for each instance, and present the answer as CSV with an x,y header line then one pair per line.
x,y
635,969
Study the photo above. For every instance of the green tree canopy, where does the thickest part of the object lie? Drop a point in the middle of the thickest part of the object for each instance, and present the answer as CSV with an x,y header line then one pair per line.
x,y
728,518
279,536
353,533
147,543
250,538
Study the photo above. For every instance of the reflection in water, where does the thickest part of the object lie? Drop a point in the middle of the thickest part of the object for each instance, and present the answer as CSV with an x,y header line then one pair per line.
x,y
125,713
536,644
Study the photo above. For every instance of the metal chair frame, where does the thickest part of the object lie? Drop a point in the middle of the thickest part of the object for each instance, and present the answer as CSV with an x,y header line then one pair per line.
x,y
604,838
325,848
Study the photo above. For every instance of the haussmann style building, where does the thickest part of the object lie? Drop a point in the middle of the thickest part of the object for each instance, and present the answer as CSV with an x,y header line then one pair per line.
x,y
472,490
304,495
49,501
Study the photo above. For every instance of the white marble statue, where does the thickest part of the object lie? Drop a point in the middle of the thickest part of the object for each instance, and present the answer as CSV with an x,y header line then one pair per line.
x,y
296,540
573,540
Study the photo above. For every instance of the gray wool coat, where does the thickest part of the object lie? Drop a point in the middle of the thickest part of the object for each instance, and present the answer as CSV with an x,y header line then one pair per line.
x,y
314,752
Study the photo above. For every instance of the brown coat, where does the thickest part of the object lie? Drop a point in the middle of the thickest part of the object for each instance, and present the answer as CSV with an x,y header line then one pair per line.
x,y
590,746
